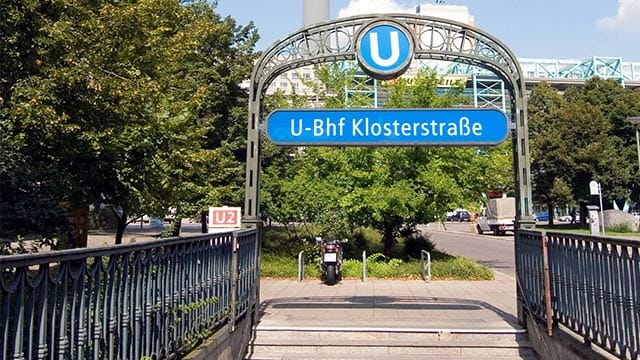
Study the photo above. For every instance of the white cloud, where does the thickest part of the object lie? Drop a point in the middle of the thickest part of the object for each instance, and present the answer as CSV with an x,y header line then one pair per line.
x,y
359,7
625,20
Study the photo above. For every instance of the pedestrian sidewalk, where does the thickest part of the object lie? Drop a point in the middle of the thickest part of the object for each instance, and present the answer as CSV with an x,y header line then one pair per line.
x,y
447,306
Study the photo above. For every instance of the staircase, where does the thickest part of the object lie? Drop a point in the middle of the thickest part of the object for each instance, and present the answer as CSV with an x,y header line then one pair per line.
x,y
388,343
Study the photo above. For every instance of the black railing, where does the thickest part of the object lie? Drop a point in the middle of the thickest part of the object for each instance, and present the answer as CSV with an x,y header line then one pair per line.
x,y
592,286
150,300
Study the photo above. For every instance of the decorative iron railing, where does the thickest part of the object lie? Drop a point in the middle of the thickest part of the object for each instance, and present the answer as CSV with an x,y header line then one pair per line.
x,y
591,285
149,300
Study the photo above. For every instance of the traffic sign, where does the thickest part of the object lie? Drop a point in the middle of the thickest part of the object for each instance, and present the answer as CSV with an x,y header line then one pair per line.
x,y
224,217
384,49
390,127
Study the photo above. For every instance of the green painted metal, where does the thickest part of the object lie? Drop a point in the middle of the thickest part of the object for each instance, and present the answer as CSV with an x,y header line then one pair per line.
x,y
435,39
155,299
594,286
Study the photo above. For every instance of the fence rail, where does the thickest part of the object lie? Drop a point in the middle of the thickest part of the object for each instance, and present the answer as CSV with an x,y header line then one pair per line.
x,y
155,299
593,286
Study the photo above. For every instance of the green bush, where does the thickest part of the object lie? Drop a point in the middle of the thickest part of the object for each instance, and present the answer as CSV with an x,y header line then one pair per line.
x,y
444,267
289,241
414,245
279,266
363,239
351,268
460,268
281,246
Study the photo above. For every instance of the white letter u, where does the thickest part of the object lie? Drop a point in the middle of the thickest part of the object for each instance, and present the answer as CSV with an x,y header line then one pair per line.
x,y
395,49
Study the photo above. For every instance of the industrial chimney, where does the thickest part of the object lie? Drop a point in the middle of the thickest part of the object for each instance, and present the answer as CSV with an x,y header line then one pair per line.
x,y
314,11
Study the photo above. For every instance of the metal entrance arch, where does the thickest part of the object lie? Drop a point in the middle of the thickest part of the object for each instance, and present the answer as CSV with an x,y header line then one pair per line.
x,y
435,38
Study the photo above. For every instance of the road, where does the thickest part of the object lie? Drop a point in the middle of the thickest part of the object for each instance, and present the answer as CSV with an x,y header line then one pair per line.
x,y
496,252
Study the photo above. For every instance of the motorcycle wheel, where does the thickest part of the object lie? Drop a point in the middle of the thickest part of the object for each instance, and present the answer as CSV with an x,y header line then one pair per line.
x,y
331,275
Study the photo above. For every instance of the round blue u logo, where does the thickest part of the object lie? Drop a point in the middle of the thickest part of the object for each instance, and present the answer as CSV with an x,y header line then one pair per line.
x,y
384,49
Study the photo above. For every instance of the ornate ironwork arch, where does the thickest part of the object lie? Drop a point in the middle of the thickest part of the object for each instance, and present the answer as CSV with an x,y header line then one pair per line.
x,y
435,38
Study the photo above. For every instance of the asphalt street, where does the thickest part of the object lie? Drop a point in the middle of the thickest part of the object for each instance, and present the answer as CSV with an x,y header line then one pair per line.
x,y
495,252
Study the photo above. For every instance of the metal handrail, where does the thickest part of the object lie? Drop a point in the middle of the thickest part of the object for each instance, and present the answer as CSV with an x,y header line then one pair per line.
x,y
301,265
422,255
129,301
589,284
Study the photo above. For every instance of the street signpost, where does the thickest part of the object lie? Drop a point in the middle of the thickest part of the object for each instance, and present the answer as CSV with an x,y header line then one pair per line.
x,y
387,127
596,189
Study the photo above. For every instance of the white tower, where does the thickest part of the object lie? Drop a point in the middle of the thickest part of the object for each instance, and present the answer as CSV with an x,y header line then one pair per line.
x,y
314,11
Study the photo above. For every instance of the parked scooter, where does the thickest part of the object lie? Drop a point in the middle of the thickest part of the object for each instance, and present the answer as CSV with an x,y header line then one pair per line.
x,y
331,259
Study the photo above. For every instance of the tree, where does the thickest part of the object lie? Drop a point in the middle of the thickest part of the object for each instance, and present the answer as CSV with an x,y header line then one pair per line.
x,y
139,102
573,142
390,189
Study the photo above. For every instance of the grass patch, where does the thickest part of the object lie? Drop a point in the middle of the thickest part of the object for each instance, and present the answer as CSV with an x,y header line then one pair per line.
x,y
443,267
623,230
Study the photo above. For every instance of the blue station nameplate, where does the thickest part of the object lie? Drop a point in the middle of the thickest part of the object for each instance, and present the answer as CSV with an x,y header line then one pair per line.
x,y
387,127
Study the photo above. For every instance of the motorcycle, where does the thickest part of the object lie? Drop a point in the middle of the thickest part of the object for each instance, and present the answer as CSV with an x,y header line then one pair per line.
x,y
330,259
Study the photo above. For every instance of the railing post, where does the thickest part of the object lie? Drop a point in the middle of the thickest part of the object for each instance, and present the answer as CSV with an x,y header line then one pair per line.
x,y
301,265
547,284
422,253
364,265
234,281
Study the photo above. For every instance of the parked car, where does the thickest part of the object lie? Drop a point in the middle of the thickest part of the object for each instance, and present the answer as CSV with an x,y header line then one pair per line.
x,y
542,216
568,218
461,215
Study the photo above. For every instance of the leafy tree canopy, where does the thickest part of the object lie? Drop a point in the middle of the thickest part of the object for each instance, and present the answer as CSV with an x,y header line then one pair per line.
x,y
582,135
130,104
388,188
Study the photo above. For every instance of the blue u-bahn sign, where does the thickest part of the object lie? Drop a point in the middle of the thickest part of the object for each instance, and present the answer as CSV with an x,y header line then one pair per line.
x,y
384,49
376,127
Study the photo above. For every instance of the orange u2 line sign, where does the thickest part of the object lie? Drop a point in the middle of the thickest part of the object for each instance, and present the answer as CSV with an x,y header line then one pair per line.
x,y
224,217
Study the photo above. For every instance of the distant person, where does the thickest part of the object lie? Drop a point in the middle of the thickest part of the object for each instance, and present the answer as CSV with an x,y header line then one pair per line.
x,y
573,215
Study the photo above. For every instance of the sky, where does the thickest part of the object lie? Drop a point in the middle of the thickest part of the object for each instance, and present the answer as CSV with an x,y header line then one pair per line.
x,y
543,29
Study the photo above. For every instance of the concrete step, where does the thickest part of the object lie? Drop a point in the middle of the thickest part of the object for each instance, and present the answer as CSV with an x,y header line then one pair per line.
x,y
341,343
296,356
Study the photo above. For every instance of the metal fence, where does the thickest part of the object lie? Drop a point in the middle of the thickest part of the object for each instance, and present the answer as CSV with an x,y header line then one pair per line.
x,y
149,300
591,285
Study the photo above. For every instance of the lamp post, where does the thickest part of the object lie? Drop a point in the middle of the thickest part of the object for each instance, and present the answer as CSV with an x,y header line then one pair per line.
x,y
635,121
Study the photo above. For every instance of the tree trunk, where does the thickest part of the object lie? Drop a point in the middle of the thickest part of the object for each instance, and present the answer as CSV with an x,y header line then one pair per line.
x,y
551,211
177,224
203,221
388,239
122,224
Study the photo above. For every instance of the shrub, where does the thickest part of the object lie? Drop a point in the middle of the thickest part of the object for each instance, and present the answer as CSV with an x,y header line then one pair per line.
x,y
415,243
280,266
363,239
288,241
460,268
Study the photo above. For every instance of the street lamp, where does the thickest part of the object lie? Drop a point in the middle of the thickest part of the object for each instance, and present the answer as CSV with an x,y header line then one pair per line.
x,y
635,121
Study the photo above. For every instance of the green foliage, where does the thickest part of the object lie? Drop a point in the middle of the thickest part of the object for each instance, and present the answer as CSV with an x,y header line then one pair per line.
x,y
135,105
414,245
583,135
379,267
363,239
444,267
286,266
389,189
290,240
560,194
460,268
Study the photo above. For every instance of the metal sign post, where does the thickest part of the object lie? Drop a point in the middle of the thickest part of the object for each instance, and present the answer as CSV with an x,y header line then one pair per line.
x,y
384,46
596,189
